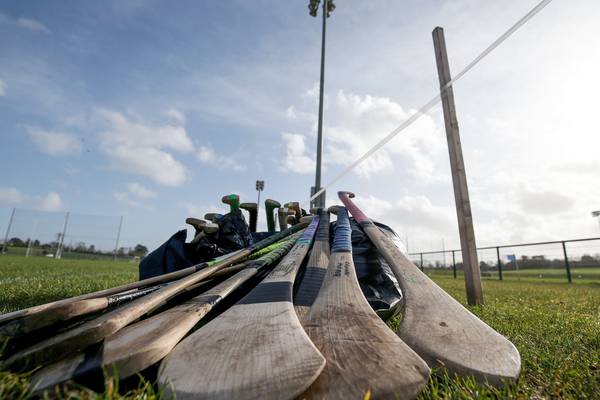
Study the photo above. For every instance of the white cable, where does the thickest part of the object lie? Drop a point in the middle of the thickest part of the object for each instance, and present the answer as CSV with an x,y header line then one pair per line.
x,y
429,105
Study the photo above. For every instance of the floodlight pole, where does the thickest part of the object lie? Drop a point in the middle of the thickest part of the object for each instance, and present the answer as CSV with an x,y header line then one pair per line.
x,y
459,176
260,186
320,201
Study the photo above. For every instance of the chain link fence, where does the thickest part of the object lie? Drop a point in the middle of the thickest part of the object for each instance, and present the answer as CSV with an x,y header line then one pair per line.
x,y
573,261
35,233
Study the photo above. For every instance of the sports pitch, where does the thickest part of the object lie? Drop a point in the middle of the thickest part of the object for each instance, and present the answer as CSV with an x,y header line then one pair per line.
x,y
553,324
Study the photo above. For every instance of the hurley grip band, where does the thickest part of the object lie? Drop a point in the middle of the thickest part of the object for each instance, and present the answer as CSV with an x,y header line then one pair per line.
x,y
233,200
341,240
309,233
323,229
273,255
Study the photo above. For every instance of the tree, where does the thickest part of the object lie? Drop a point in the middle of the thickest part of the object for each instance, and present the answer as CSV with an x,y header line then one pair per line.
x,y
17,242
140,250
80,247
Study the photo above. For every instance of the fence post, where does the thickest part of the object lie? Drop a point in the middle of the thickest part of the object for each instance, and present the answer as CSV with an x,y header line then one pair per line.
x,y
10,221
421,262
499,263
453,265
567,266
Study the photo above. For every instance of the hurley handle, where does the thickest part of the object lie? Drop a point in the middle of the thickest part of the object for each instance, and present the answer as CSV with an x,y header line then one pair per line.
x,y
274,255
233,200
341,240
356,213
309,233
270,206
323,230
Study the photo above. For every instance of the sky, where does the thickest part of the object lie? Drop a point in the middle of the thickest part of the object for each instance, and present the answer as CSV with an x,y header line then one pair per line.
x,y
153,110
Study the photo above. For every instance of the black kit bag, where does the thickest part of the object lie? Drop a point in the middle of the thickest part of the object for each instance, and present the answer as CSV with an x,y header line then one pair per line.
x,y
176,254
377,281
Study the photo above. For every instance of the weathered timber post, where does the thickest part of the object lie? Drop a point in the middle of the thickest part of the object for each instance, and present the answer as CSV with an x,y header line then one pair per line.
x,y
421,262
459,177
453,265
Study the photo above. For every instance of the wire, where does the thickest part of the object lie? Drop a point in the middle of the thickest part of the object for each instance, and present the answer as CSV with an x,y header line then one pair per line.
x,y
431,103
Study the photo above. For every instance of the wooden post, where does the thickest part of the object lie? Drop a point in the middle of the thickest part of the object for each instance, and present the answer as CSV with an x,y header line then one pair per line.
x,y
459,177
453,265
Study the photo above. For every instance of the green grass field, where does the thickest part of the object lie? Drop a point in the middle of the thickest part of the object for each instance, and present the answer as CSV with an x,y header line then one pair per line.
x,y
553,275
555,326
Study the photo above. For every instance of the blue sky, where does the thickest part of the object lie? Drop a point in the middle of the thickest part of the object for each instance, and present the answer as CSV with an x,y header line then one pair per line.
x,y
153,110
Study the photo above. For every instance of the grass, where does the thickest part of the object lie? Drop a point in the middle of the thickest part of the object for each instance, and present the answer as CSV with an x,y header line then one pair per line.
x,y
25,282
551,275
555,326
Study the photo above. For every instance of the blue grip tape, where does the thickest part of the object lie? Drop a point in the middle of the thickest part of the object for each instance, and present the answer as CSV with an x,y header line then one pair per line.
x,y
341,240
309,233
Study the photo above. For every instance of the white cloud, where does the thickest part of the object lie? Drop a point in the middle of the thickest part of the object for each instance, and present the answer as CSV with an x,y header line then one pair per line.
x,y
54,143
136,195
544,202
296,155
313,92
177,116
209,156
415,217
10,196
14,197
25,23
132,134
156,164
2,88
355,123
140,191
198,211
291,112
141,149
126,198
49,202
32,25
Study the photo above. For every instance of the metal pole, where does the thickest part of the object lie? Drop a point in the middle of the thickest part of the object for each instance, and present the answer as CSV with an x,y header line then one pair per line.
x,y
10,221
29,245
62,237
499,263
459,176
444,252
258,207
319,201
453,265
421,262
567,266
118,237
